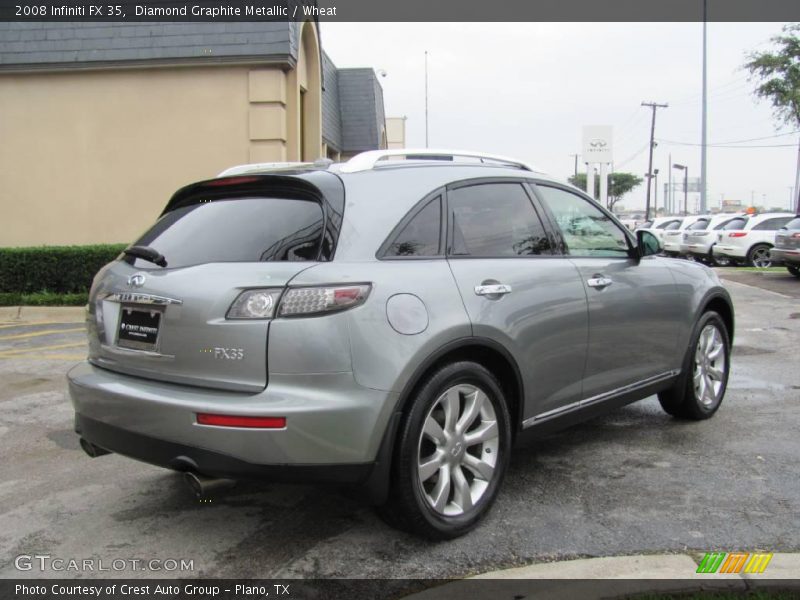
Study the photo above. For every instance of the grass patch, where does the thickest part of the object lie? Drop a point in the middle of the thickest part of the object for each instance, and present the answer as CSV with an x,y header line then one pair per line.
x,y
43,299
759,270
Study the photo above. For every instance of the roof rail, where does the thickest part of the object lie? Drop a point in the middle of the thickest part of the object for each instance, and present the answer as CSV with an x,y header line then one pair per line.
x,y
366,161
321,163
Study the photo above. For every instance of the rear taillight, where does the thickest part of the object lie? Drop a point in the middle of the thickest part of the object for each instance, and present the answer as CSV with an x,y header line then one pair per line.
x,y
240,421
306,301
736,234
297,302
795,235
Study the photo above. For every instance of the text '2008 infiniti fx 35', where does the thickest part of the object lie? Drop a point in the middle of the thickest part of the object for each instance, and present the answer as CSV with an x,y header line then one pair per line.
x,y
394,322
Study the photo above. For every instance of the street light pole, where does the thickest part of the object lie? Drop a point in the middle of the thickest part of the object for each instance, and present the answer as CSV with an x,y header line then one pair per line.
x,y
655,193
426,98
704,136
685,170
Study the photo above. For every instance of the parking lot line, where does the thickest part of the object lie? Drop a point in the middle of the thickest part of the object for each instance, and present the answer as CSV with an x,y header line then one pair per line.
x,y
70,357
22,336
10,353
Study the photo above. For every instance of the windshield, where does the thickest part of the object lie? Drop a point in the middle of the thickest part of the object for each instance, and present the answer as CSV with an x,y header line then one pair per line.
x,y
236,230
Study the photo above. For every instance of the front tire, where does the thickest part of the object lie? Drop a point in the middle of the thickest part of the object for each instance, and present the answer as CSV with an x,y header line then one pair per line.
x,y
793,270
451,455
700,388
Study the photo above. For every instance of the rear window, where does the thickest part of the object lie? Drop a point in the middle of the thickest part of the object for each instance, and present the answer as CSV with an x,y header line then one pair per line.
x,y
237,230
699,225
735,224
793,224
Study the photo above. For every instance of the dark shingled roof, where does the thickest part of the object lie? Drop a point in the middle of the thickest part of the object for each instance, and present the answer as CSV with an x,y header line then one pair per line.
x,y
352,99
361,105
25,45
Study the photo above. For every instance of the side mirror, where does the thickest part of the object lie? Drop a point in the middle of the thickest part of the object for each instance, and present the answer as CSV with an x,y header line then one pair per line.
x,y
647,243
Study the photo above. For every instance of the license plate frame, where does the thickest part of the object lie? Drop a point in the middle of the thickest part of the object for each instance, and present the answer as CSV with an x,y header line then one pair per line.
x,y
139,328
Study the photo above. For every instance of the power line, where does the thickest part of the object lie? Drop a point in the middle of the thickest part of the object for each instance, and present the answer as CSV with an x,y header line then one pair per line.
x,y
758,139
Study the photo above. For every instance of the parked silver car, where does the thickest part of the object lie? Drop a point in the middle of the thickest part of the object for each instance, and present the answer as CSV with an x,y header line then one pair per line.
x,y
395,322
787,247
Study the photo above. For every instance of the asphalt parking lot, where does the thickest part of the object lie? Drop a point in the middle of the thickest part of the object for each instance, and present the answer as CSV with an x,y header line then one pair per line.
x,y
635,481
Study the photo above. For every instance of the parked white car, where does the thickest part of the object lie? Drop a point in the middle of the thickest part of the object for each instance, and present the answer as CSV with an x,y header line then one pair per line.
x,y
660,225
751,244
671,238
697,241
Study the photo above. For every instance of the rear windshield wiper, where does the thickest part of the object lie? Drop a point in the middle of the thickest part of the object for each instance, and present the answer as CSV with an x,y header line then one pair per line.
x,y
147,253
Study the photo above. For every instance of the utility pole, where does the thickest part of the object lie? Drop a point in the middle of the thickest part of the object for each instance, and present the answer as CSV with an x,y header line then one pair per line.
x,y
426,98
704,128
654,106
575,156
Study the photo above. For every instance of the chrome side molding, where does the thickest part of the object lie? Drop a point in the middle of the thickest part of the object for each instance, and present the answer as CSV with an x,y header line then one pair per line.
x,y
139,298
568,408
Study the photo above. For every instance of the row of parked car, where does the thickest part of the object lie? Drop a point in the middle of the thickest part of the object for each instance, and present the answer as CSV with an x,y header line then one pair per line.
x,y
758,240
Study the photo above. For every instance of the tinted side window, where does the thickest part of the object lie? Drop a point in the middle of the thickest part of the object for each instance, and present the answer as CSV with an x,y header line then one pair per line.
x,y
673,225
772,224
587,231
698,225
420,236
734,224
495,219
793,224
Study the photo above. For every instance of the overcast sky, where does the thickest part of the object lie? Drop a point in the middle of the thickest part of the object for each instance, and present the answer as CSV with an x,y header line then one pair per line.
x,y
526,89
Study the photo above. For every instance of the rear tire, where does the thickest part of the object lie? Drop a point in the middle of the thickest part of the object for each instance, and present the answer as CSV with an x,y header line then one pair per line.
x,y
698,392
758,256
793,270
451,454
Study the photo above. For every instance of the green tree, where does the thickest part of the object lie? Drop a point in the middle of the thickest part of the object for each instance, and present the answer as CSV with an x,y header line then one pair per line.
x,y
777,74
619,184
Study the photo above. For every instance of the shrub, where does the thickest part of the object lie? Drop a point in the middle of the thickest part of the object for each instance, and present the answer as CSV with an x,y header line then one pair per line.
x,y
53,269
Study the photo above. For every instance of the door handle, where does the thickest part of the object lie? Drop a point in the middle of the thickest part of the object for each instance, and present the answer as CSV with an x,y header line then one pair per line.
x,y
495,289
599,281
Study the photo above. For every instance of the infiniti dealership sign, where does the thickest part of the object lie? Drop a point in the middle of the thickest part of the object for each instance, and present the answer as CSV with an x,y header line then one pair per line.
x,y
597,144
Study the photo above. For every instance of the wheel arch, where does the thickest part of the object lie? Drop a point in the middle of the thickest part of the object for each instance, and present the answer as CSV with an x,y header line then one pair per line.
x,y
721,304
487,352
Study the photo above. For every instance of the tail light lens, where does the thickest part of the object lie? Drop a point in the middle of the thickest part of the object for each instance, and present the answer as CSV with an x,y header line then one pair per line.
x,y
306,301
296,302
796,235
254,304
241,421
737,234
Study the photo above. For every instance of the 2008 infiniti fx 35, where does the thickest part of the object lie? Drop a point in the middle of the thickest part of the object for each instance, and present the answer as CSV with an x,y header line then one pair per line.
x,y
395,322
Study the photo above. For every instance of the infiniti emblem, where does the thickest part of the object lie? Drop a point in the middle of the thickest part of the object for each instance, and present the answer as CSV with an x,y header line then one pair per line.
x,y
136,280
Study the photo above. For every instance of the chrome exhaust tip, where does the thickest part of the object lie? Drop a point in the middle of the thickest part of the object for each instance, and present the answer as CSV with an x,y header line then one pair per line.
x,y
202,486
92,450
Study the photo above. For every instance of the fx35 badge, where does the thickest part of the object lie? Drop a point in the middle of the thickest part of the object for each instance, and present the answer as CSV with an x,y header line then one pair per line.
x,y
225,353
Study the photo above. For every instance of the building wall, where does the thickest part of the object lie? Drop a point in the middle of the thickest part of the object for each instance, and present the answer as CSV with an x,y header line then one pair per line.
x,y
93,156
395,132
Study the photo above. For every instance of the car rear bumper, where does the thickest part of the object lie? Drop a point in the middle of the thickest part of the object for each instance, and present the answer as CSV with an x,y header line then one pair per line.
x,y
788,257
333,426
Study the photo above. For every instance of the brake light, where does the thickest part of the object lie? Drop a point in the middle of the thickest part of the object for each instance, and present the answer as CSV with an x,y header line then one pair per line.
x,y
736,234
229,181
240,421
306,301
796,235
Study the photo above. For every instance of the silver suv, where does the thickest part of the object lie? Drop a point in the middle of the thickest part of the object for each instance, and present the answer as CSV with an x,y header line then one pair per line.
x,y
395,322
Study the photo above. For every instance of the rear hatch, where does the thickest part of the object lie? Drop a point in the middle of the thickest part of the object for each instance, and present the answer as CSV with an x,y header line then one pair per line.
x,y
219,238
788,238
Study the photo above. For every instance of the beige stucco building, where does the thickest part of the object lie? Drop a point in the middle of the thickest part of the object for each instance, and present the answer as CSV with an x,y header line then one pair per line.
x,y
101,122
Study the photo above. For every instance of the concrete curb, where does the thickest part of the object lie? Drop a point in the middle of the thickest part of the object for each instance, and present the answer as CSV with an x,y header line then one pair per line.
x,y
21,315
609,577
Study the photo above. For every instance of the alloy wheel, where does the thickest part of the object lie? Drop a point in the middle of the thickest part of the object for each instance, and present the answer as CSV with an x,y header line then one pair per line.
x,y
760,258
710,366
458,450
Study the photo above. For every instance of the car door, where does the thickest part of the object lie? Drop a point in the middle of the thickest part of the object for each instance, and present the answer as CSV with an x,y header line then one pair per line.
x,y
516,291
633,303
